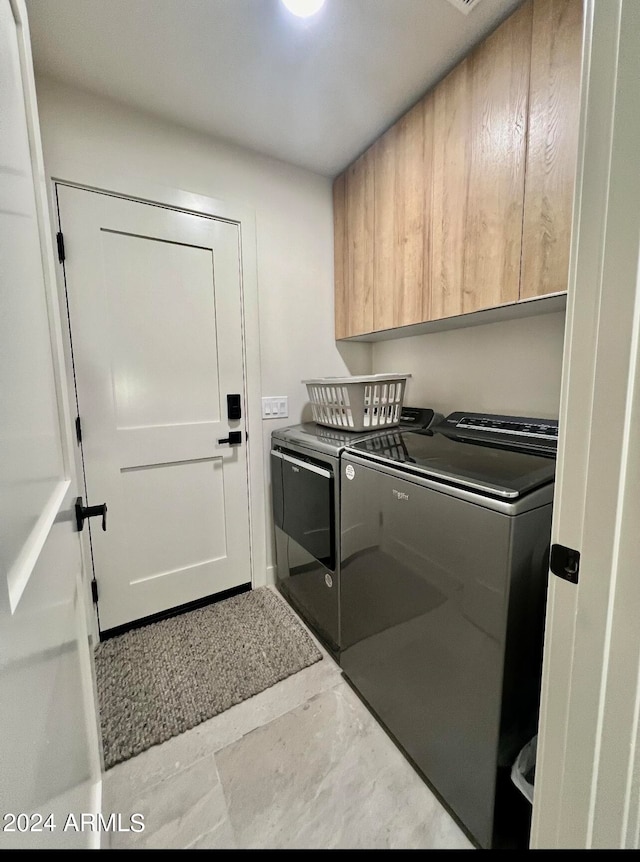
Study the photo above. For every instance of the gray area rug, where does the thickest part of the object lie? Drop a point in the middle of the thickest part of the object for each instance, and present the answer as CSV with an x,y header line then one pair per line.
x,y
160,680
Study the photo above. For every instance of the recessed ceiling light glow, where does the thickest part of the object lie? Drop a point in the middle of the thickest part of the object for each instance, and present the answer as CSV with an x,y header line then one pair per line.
x,y
304,8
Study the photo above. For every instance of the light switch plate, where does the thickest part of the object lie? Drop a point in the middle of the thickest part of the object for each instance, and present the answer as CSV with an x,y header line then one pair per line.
x,y
275,407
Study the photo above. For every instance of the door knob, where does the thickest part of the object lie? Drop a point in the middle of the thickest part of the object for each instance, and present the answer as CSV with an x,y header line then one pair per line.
x,y
84,512
234,438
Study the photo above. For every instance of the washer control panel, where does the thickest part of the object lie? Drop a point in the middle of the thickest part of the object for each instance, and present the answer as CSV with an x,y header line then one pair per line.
x,y
517,432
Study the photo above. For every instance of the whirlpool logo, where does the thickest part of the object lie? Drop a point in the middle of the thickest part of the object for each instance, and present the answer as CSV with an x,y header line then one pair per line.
x,y
400,495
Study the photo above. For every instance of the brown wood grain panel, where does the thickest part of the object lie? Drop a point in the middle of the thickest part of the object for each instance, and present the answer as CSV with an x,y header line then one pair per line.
x,y
554,107
386,191
500,92
359,254
413,216
427,233
339,255
451,164
402,219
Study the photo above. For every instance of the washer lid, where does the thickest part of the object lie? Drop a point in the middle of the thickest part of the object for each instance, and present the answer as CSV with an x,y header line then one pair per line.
x,y
464,463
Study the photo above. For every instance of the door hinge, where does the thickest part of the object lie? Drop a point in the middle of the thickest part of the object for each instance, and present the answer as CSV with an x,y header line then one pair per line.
x,y
565,563
94,591
60,241
78,430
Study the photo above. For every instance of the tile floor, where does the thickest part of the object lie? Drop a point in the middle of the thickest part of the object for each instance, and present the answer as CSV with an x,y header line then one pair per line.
x,y
302,765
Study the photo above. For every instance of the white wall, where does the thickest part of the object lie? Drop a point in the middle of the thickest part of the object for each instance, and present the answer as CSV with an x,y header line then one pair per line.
x,y
512,367
294,225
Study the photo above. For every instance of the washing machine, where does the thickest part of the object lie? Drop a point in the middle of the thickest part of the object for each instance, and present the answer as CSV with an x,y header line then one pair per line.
x,y
444,560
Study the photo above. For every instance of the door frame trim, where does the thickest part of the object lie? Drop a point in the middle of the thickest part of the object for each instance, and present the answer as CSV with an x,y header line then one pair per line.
x,y
588,762
142,191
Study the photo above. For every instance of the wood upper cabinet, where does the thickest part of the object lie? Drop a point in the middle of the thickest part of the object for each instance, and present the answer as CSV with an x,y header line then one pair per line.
x,y
466,202
554,106
382,223
500,93
340,256
451,168
402,220
479,168
353,205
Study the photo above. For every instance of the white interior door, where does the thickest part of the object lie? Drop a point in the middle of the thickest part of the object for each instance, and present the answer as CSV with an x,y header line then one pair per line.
x,y
155,313
48,732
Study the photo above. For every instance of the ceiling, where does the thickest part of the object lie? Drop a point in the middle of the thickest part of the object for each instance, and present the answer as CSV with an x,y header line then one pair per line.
x,y
313,93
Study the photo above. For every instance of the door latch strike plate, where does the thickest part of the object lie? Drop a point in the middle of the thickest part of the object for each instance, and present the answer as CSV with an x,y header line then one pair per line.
x,y
565,563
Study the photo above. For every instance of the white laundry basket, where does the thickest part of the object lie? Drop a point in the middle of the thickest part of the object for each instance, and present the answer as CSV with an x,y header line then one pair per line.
x,y
357,403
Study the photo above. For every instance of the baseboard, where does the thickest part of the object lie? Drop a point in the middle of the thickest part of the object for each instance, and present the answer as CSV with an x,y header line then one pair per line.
x,y
271,575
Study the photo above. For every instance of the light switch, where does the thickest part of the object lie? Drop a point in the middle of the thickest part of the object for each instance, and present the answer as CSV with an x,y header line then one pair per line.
x,y
275,407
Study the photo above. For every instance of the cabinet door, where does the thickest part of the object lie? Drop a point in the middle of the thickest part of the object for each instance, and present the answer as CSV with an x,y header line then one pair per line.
x,y
554,107
354,223
479,164
402,232
500,90
451,164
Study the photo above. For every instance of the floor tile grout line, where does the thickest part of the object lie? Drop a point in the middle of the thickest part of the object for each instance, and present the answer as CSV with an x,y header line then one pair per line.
x,y
226,805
